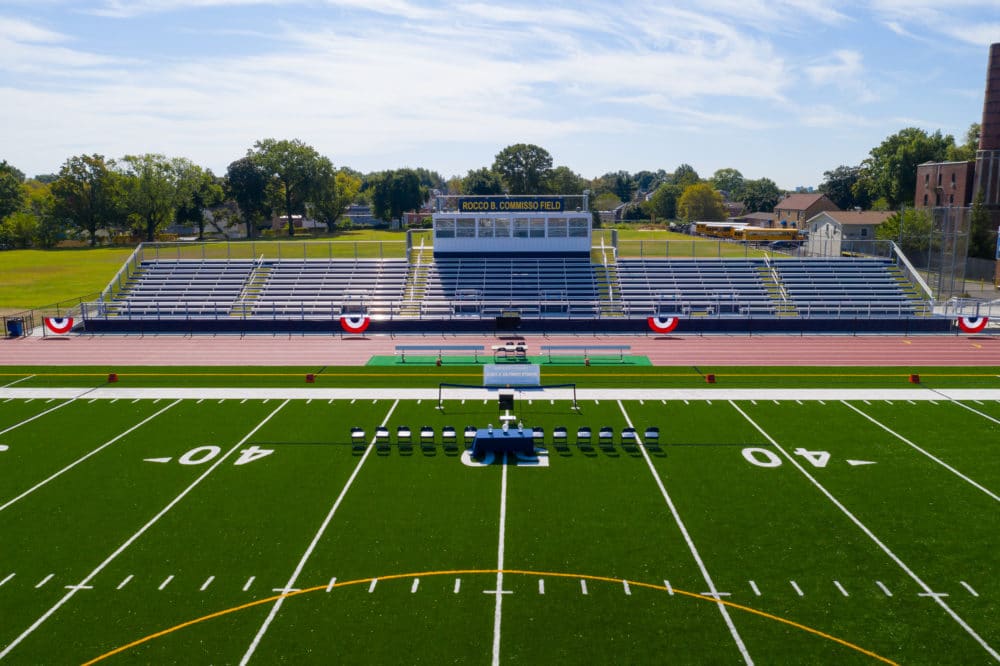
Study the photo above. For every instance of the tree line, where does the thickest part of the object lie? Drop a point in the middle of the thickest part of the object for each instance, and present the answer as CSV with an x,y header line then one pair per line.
x,y
92,197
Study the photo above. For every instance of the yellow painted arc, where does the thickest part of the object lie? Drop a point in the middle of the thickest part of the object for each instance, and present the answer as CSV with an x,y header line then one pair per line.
x,y
515,572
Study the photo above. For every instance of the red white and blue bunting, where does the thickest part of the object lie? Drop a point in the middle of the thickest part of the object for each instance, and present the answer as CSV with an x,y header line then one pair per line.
x,y
355,323
58,325
972,324
663,324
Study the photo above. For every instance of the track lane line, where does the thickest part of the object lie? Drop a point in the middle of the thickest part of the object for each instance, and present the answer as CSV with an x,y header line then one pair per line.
x,y
690,544
871,535
290,585
132,539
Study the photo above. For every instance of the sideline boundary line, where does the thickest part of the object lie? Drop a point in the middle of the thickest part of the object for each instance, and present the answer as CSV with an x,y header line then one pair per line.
x,y
690,543
142,530
312,546
885,549
926,453
514,572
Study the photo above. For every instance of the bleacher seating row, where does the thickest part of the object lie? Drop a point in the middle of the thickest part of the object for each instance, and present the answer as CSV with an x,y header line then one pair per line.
x,y
489,286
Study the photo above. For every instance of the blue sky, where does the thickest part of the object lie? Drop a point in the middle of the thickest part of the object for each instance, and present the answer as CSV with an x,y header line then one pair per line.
x,y
786,89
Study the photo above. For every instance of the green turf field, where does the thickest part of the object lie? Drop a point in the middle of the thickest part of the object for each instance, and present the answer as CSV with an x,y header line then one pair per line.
x,y
222,527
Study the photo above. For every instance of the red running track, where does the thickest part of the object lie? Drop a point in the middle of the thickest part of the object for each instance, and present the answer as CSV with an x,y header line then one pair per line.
x,y
678,350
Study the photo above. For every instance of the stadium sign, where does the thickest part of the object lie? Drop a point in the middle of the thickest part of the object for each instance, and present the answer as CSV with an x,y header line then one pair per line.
x,y
512,375
511,204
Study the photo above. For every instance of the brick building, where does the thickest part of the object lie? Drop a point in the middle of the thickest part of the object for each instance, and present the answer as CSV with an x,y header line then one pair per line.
x,y
795,209
944,184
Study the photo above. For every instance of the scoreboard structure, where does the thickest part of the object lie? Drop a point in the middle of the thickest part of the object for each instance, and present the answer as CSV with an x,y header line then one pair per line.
x,y
512,225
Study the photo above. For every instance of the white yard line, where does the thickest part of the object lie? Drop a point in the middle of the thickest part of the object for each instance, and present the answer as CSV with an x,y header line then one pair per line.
x,y
132,539
84,457
926,453
871,535
498,607
18,381
290,585
690,544
976,411
36,416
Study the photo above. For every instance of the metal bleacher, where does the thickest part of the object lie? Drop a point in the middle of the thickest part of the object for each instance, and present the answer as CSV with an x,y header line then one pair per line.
x,y
483,287
184,288
487,286
847,287
326,287
694,287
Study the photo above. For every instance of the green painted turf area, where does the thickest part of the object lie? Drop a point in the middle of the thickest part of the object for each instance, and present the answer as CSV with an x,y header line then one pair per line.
x,y
124,518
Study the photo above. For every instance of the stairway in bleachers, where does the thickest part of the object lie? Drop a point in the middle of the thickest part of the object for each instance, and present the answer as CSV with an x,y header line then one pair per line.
x,y
416,282
609,289
769,278
252,290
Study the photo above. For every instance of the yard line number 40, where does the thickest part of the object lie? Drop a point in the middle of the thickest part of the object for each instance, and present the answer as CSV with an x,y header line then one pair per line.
x,y
768,458
203,454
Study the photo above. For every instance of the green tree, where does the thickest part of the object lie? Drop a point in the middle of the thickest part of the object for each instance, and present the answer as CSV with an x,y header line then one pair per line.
x,y
890,170
11,193
396,192
524,168
341,191
152,191
88,194
200,191
431,180
40,203
967,151
297,172
246,182
729,181
18,229
760,195
700,202
646,181
912,229
685,175
482,182
663,204
563,180
624,186
606,201
838,186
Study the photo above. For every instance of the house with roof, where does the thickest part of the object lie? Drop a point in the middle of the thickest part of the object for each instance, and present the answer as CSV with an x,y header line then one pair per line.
x,y
833,232
795,209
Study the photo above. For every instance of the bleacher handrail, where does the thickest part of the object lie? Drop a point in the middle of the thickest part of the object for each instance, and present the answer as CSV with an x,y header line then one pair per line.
x,y
912,273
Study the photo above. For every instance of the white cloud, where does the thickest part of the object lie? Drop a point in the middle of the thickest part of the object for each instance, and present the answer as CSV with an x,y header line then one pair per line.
x,y
19,30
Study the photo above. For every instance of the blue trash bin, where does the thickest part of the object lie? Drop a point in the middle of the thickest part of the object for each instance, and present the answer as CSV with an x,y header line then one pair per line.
x,y
15,327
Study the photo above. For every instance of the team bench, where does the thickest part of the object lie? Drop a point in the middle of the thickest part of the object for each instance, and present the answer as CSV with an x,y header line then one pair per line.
x,y
586,350
436,350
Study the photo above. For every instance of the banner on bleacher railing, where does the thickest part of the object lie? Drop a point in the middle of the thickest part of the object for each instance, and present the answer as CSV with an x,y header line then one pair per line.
x,y
511,204
512,375
58,325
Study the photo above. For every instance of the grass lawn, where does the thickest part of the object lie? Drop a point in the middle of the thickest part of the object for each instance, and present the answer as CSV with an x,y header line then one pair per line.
x,y
36,278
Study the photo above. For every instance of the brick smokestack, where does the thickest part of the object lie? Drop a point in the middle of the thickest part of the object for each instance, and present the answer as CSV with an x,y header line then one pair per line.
x,y
989,137
988,156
